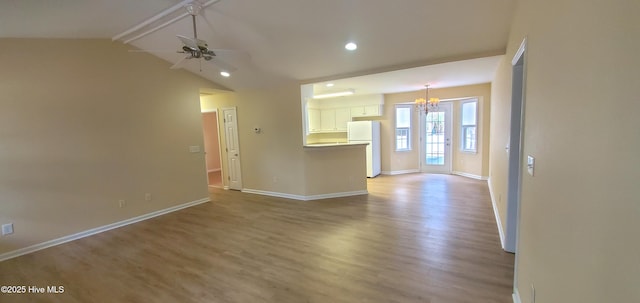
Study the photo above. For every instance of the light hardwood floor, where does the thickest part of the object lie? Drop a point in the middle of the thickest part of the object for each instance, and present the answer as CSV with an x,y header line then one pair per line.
x,y
414,238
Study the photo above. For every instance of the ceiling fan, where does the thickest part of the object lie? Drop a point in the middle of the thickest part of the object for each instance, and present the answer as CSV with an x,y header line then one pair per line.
x,y
199,49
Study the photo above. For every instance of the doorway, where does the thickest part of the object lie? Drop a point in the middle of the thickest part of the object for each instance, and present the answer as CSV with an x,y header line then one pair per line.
x,y
212,148
435,140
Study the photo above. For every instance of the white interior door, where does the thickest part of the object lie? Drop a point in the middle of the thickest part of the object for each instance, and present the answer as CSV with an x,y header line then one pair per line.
x,y
233,148
435,138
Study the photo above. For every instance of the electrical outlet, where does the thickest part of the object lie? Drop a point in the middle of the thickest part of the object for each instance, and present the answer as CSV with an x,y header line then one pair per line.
x,y
121,203
7,229
147,197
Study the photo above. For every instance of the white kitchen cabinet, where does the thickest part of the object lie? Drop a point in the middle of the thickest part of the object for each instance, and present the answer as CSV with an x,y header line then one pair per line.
x,y
327,119
334,119
366,110
343,115
313,120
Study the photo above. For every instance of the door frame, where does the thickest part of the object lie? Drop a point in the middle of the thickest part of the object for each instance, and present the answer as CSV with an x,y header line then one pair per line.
x,y
516,136
448,146
516,159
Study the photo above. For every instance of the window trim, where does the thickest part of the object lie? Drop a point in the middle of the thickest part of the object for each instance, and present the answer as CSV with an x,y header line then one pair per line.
x,y
396,128
464,127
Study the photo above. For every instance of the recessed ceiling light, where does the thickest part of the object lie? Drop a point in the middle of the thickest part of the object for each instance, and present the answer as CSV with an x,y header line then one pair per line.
x,y
351,46
225,74
329,84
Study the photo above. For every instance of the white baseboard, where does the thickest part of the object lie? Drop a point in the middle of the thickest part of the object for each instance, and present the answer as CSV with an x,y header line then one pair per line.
x,y
400,172
516,296
304,198
337,195
459,173
93,231
496,213
272,194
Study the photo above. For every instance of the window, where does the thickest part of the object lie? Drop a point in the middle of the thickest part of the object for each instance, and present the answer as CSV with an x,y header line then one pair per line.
x,y
403,127
469,127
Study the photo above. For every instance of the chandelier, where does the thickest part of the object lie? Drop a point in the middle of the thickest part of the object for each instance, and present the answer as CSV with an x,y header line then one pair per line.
x,y
427,104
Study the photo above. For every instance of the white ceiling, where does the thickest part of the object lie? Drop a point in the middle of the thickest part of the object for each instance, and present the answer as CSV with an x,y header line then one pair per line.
x,y
298,40
457,73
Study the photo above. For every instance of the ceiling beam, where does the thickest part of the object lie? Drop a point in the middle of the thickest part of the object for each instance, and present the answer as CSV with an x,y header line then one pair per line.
x,y
151,20
156,18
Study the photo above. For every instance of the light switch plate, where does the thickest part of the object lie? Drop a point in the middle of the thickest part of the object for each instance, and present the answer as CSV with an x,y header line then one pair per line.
x,y
531,162
194,148
7,229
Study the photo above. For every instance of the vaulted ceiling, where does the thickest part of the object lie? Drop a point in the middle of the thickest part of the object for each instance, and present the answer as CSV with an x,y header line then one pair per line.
x,y
299,40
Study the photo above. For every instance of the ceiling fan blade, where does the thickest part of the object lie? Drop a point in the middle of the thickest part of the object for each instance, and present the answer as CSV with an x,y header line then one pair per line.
x,y
178,64
231,53
223,66
189,42
154,51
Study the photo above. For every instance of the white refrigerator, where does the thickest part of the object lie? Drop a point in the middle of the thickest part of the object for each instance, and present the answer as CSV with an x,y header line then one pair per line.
x,y
367,132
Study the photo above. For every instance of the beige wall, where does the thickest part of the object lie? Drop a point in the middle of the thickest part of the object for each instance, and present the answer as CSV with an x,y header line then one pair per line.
x,y
272,160
580,213
83,124
275,161
469,163
336,170
391,160
500,124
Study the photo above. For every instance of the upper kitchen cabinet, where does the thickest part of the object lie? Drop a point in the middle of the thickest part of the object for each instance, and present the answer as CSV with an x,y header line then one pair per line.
x,y
314,122
331,115
334,120
365,105
366,110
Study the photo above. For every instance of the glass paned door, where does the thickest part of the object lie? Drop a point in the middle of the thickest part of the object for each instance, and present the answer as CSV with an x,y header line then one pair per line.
x,y
436,140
